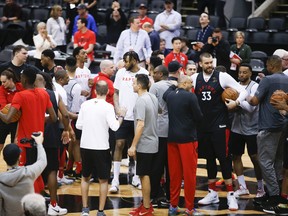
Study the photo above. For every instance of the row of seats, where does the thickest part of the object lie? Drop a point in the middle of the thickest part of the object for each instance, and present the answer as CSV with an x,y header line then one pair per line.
x,y
126,5
240,23
277,38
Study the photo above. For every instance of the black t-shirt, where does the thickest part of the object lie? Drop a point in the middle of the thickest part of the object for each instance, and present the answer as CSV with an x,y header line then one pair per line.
x,y
16,69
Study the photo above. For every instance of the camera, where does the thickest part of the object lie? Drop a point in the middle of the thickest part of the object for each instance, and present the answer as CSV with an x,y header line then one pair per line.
x,y
31,141
214,39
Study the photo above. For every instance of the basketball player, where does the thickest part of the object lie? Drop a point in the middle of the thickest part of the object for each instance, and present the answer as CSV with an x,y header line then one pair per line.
x,y
213,134
125,97
244,129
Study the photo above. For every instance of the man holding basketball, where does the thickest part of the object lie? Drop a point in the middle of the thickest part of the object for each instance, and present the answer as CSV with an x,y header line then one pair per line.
x,y
33,103
213,134
271,134
8,89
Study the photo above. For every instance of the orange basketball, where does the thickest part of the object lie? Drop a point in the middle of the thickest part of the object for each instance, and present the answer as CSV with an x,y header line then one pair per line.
x,y
229,93
278,95
15,117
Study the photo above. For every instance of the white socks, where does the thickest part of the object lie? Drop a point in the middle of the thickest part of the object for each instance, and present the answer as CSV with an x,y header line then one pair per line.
x,y
116,170
242,181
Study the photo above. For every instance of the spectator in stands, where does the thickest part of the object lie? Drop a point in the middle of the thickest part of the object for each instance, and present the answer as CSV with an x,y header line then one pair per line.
x,y
83,13
71,13
56,27
134,39
202,35
47,62
116,22
176,55
163,48
42,41
220,4
11,12
240,49
85,38
168,23
154,36
283,54
184,47
18,181
18,62
159,54
143,15
91,7
219,48
34,205
210,4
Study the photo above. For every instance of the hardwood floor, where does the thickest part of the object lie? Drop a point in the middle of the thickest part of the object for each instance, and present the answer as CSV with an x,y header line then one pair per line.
x,y
129,197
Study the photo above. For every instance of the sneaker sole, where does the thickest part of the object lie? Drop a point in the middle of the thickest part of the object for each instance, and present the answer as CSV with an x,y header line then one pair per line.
x,y
209,203
269,211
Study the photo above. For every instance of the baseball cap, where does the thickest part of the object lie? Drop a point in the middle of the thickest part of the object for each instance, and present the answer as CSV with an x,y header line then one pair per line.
x,y
81,6
280,52
174,66
142,5
11,153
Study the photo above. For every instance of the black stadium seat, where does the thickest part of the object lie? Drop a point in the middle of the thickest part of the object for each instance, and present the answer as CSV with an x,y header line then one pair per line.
x,y
237,24
276,24
191,22
255,24
259,55
280,38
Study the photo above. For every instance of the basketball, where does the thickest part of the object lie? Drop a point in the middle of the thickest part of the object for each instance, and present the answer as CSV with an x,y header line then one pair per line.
x,y
15,117
278,95
229,93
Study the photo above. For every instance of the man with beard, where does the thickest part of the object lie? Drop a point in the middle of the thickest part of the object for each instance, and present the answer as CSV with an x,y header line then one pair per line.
x,y
213,134
124,96
244,129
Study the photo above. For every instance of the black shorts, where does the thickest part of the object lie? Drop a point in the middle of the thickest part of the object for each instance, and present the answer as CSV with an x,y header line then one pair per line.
x,y
285,150
77,132
6,129
237,144
213,144
100,160
52,155
145,163
125,131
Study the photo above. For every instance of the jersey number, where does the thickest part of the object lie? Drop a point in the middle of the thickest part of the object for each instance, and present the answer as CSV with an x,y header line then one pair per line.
x,y
206,96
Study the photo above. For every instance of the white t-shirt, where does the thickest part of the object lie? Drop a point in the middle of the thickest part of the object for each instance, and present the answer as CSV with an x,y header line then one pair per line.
x,y
61,91
96,116
82,75
124,83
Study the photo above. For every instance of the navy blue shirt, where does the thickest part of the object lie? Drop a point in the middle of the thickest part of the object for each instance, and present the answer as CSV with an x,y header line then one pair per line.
x,y
184,115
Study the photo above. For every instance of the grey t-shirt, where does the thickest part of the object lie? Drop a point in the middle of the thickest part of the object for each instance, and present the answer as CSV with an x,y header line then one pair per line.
x,y
146,109
158,89
269,118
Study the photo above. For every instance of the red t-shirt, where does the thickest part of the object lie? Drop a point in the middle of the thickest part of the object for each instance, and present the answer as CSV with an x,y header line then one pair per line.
x,y
145,19
6,95
102,76
84,40
33,104
180,57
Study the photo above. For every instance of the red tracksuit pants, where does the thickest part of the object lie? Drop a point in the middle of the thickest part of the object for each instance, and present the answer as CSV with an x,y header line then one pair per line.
x,y
182,162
